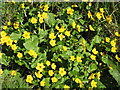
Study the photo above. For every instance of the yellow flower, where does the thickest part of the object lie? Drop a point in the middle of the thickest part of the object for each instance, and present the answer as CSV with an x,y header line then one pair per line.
x,y
53,66
101,53
33,20
52,42
90,4
14,47
101,10
15,41
113,43
95,51
46,7
91,28
19,55
52,36
103,42
89,14
44,15
73,24
77,80
86,30
116,56
62,72
3,34
64,48
78,28
39,15
74,5
29,78
98,15
54,79
26,35
110,67
40,6
40,67
61,36
23,5
98,75
42,83
93,83
56,27
16,25
92,76
107,39
48,63
70,11
72,58
41,20
93,57
35,55
38,74
66,87
113,49
13,72
31,52
1,55
117,34
59,60
67,33
50,72
8,23
79,59
62,29
9,42
5,27
1,71
109,19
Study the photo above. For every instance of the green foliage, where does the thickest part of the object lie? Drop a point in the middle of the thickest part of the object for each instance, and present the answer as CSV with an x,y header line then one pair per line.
x,y
9,81
78,37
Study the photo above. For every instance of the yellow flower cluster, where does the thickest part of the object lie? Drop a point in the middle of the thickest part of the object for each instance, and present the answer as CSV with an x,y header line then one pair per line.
x,y
77,80
7,40
94,51
33,53
42,17
16,25
52,36
99,15
113,44
92,76
79,59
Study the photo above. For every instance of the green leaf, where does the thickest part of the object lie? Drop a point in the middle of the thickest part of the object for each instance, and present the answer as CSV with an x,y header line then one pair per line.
x,y
4,61
15,36
50,20
47,82
92,67
31,43
116,74
95,40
